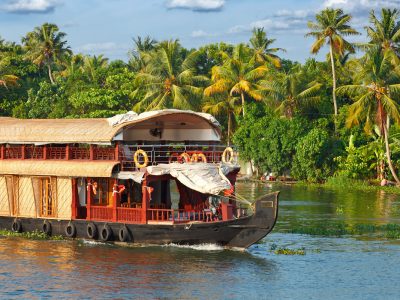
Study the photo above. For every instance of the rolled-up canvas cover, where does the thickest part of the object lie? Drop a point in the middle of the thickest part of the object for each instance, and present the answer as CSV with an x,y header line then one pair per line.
x,y
201,177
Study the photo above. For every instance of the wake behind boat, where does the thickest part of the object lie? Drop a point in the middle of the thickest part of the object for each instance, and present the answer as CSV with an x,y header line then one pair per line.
x,y
113,180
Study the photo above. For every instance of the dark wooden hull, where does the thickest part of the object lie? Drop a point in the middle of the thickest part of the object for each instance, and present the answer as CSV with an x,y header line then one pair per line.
x,y
241,232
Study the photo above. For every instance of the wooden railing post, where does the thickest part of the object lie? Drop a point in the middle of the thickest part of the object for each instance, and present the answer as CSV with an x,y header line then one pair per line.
x,y
45,152
88,198
67,152
91,152
145,201
116,151
115,200
2,152
23,152
74,207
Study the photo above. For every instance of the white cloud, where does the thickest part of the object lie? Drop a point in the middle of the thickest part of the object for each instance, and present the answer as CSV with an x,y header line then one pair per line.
x,y
239,29
360,6
90,47
200,34
196,5
30,6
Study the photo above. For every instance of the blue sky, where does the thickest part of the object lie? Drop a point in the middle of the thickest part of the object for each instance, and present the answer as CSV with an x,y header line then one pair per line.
x,y
108,26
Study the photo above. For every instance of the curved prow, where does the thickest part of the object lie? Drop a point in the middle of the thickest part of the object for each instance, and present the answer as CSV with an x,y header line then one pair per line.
x,y
260,223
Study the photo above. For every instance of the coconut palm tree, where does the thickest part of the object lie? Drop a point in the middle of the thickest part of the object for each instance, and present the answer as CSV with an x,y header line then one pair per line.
x,y
376,96
142,45
91,64
330,28
169,80
239,76
224,105
46,46
291,93
260,44
385,31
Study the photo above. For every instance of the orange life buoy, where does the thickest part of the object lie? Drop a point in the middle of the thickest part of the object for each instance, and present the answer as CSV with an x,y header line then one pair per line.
x,y
228,153
197,156
136,158
185,157
174,156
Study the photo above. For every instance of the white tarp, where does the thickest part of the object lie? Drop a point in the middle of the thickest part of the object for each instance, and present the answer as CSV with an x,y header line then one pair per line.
x,y
201,177
132,116
136,176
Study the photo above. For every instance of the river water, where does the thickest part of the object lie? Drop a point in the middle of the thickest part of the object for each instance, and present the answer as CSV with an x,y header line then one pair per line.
x,y
358,266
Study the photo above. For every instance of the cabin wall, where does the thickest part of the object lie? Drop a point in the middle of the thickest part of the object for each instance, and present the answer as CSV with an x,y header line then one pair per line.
x,y
172,135
26,199
4,203
64,198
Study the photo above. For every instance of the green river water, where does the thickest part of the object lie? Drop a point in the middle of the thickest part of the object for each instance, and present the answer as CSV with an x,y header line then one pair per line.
x,y
342,249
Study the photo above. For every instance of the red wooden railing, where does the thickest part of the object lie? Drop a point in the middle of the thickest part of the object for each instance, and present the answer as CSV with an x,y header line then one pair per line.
x,y
56,152
129,215
160,215
79,153
104,154
34,152
14,152
102,213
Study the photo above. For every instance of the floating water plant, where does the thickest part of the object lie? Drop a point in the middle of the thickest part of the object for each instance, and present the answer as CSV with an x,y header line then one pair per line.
x,y
34,235
287,251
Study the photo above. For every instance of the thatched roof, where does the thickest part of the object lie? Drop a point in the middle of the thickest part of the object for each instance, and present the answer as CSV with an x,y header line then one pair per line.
x,y
57,168
102,130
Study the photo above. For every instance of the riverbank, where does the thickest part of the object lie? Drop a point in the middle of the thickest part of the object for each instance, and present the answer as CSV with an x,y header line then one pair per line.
x,y
335,183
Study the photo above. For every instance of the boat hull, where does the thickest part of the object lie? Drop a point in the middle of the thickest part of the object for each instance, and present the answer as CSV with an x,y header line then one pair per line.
x,y
241,232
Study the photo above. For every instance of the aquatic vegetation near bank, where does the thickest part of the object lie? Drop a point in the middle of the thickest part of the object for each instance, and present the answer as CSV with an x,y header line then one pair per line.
x,y
286,251
390,231
34,235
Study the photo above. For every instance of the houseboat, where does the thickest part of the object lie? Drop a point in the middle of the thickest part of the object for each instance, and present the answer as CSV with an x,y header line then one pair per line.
x,y
152,178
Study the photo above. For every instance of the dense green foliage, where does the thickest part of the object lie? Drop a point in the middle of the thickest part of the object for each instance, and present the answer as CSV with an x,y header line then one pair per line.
x,y
283,116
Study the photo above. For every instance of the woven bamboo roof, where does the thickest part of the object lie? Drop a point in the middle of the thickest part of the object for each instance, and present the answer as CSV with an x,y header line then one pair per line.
x,y
57,168
99,130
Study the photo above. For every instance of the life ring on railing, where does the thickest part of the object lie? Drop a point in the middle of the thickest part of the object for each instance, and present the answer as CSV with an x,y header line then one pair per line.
x,y
174,156
197,156
228,152
184,157
136,158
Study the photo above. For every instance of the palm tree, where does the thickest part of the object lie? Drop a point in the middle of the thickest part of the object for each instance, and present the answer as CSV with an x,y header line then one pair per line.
x,y
386,31
223,104
261,47
91,64
7,80
46,46
291,93
142,45
375,96
239,75
330,27
169,80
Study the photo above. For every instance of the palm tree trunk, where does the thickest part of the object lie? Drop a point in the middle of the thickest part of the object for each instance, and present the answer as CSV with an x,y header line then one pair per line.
x,y
242,95
50,75
333,80
229,128
385,133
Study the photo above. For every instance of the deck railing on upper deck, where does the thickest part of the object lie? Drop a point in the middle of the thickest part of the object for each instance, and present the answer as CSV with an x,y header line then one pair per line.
x,y
170,153
156,154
